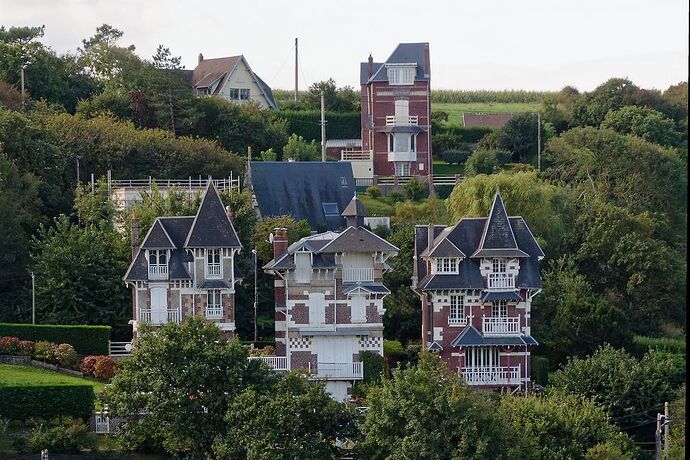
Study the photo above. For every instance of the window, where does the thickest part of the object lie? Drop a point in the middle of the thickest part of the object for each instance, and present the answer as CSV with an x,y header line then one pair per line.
x,y
401,142
498,265
499,308
302,267
239,94
317,309
402,168
158,257
457,309
482,357
214,308
244,94
343,181
213,265
391,145
447,265
330,209
413,142
203,91
234,94
401,75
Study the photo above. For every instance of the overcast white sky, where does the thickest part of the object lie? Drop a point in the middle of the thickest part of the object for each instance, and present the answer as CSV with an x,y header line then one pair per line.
x,y
480,44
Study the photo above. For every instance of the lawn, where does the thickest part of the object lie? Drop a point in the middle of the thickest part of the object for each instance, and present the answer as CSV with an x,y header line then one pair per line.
x,y
455,110
376,207
441,168
16,375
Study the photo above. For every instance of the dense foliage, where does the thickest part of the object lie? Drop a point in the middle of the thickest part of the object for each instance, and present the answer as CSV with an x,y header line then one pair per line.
x,y
47,401
84,339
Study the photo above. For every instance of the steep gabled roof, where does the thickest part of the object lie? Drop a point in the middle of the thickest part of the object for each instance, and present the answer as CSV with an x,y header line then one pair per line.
x,y
471,337
354,208
157,237
498,239
358,239
212,227
404,53
446,248
210,71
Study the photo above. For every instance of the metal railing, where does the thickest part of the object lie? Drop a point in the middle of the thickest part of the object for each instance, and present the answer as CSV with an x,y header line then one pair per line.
x,y
393,120
402,180
355,155
501,325
226,184
171,316
491,375
116,349
158,272
338,371
501,281
277,363
214,312
354,275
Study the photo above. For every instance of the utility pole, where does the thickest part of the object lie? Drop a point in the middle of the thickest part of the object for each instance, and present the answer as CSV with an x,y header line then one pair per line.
x,y
538,141
657,438
667,421
296,65
323,129
256,296
33,298
78,157
23,91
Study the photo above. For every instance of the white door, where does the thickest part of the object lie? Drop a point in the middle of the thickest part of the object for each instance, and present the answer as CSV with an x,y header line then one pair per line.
x,y
159,305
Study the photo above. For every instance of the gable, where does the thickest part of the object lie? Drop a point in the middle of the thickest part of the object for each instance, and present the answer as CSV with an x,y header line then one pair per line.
x,y
212,227
242,77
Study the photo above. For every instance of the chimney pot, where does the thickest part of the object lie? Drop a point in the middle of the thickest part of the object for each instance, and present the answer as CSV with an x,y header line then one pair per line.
x,y
371,65
228,212
280,241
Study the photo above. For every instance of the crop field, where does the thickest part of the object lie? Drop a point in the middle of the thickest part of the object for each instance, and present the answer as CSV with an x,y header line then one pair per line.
x,y
455,109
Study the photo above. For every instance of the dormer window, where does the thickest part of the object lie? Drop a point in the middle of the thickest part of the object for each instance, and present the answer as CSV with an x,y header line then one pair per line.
x,y
214,268
158,264
498,265
401,74
447,265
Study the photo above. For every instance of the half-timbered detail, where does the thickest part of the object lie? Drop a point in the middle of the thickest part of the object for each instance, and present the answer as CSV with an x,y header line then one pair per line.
x,y
476,280
329,300
185,266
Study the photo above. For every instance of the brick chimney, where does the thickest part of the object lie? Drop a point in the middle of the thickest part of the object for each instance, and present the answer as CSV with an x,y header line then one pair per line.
x,y
371,65
135,236
427,62
201,58
280,241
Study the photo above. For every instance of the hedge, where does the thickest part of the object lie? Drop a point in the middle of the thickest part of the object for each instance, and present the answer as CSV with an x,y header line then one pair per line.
x,y
23,402
642,344
306,123
86,340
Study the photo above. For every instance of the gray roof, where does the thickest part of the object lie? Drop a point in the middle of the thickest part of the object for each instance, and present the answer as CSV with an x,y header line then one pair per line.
x,y
334,143
374,288
358,239
490,296
157,238
300,189
471,337
354,208
212,227
213,284
400,129
498,239
404,53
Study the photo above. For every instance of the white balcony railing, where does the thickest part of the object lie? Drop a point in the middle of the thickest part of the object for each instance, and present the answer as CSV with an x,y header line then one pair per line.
x,y
460,321
501,325
501,281
355,275
491,375
213,270
355,155
158,272
338,371
214,312
392,120
277,363
146,315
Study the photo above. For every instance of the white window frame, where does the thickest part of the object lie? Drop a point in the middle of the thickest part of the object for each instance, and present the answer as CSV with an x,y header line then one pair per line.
x,y
158,254
358,311
499,265
448,265
499,309
457,314
212,253
214,304
401,75
402,168
244,94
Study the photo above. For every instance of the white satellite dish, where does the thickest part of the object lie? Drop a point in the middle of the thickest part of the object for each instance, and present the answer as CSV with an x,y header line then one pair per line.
x,y
270,237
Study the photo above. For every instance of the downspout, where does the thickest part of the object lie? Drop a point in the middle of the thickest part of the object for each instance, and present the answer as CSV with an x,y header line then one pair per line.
x,y
194,285
526,370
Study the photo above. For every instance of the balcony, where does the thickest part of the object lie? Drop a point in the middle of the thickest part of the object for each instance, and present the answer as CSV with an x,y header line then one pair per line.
x,y
409,120
213,271
214,312
491,375
501,281
157,317
501,325
355,155
337,371
358,275
158,272
276,363
402,156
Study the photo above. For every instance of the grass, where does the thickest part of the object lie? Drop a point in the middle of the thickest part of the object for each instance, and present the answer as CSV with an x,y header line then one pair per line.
x,y
19,375
455,110
441,168
375,206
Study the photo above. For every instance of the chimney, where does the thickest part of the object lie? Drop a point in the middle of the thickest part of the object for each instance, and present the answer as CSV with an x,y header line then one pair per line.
x,y
201,58
135,236
280,241
430,236
371,65
427,63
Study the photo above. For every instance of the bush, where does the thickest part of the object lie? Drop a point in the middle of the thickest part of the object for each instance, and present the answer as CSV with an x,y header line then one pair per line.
x,y
86,340
455,156
45,351
47,401
268,350
65,355
396,197
69,437
642,345
481,162
16,347
88,365
540,370
305,123
373,191
394,352
105,368
372,363
415,189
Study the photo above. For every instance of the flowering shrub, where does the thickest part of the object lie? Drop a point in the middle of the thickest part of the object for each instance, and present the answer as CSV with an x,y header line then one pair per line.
x,y
45,351
99,366
265,351
65,355
88,364
14,346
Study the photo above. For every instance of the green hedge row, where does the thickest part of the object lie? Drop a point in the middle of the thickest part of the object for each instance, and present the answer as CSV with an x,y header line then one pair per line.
x,y
22,402
306,123
86,340
642,344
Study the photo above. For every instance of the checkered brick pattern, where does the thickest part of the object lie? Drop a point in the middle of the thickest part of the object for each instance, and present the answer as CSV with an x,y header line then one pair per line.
x,y
370,343
302,343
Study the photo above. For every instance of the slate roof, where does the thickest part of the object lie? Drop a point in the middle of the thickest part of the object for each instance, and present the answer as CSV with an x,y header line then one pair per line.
x,y
300,188
404,53
358,239
490,296
498,239
354,208
374,288
157,238
212,227
471,337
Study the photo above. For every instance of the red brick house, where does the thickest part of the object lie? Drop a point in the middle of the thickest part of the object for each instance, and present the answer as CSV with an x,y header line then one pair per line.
x,y
396,111
476,280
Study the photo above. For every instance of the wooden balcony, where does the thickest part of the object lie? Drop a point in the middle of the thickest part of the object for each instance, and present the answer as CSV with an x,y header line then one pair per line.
x,y
491,375
500,281
276,363
337,371
146,315
158,272
500,325
356,275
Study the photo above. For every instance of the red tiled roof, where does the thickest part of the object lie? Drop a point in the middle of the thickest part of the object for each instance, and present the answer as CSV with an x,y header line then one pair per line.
x,y
211,70
485,120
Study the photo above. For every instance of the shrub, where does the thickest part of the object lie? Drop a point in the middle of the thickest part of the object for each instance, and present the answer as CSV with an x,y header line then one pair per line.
x,y
65,355
45,351
88,365
48,401
86,340
393,352
481,162
396,197
642,344
540,370
268,350
69,437
455,156
373,191
415,189
104,368
14,346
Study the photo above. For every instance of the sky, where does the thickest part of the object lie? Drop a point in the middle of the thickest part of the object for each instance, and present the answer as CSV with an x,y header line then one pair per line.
x,y
482,44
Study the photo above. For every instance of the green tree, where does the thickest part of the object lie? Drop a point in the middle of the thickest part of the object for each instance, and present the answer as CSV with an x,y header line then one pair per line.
x,y
298,149
296,419
563,426
643,122
185,378
295,230
95,209
171,87
591,108
677,431
426,411
519,136
335,99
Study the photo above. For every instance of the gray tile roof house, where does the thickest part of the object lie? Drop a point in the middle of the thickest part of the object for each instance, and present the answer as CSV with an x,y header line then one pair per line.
x,y
311,190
